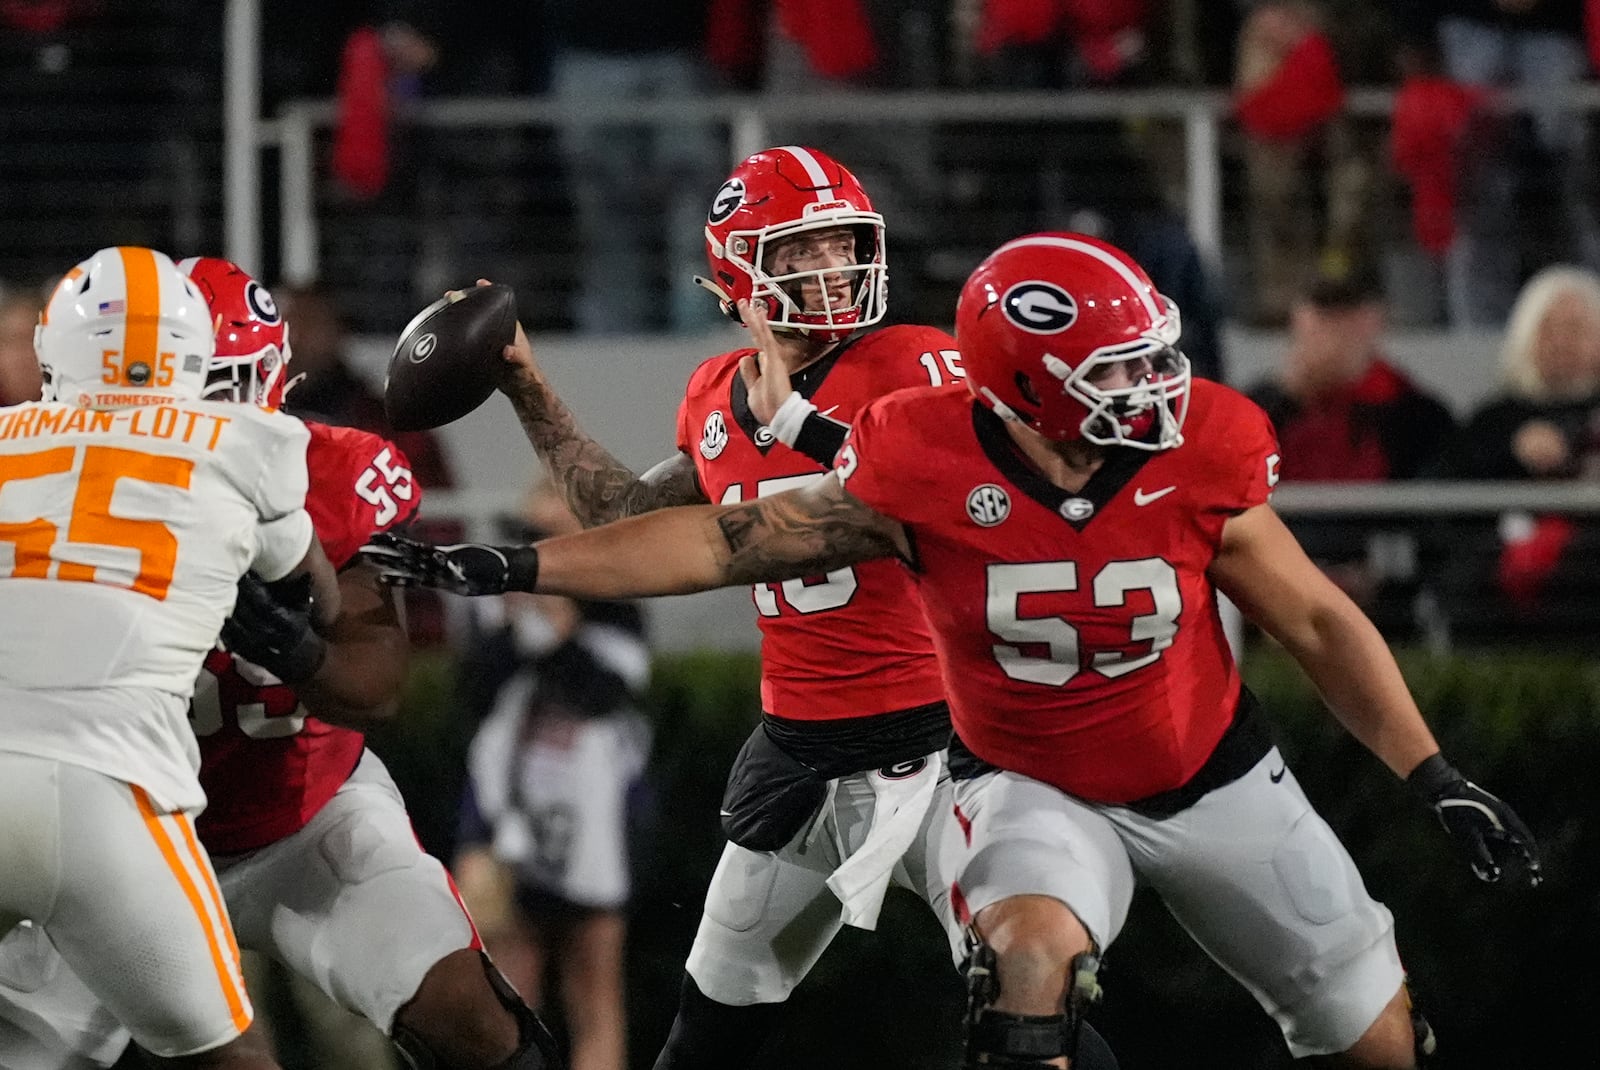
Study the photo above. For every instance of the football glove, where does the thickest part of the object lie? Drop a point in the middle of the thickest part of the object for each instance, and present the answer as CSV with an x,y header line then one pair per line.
x,y
468,568
271,627
1493,836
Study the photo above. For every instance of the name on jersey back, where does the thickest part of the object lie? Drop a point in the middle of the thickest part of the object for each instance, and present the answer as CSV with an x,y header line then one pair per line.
x,y
158,421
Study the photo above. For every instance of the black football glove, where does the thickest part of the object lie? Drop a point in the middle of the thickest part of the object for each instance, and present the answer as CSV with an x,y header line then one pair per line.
x,y
464,568
271,627
1494,837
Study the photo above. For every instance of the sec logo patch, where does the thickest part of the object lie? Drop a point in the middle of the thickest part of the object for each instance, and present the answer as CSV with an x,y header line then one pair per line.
x,y
713,436
988,505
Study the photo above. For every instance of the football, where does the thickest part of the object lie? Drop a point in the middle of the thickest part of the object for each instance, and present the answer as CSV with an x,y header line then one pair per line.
x,y
445,362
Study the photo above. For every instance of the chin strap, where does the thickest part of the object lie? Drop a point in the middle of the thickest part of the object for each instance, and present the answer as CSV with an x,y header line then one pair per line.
x,y
724,299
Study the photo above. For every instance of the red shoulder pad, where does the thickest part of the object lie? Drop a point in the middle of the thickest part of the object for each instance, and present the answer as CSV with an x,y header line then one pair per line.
x,y
361,483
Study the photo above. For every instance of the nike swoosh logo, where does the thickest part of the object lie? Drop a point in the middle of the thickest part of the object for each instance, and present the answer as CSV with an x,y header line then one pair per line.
x,y
1276,777
1141,498
828,411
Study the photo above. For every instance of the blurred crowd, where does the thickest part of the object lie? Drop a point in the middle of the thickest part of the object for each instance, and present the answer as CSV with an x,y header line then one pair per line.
x,y
1490,167
1482,177
1473,206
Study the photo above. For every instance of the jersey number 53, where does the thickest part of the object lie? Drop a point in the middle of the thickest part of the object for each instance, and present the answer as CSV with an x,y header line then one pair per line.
x,y
1008,583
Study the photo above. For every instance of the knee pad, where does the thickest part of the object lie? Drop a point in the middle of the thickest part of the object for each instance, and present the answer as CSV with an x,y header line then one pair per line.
x,y
1030,1041
536,1048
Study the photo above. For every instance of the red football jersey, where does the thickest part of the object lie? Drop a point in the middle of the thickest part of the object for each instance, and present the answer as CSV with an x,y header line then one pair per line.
x,y
1078,632
854,642
266,766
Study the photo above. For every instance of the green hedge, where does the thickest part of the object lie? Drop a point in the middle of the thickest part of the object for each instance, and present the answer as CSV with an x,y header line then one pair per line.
x,y
1507,976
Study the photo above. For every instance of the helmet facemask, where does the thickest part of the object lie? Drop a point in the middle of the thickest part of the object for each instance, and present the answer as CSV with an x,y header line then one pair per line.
x,y
1147,412
867,278
1136,392
252,379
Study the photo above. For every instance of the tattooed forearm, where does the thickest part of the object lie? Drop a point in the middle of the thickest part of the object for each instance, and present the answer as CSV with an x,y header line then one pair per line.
x,y
801,533
598,487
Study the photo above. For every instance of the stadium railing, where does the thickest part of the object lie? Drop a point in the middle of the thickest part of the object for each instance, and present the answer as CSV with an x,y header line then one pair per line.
x,y
1203,115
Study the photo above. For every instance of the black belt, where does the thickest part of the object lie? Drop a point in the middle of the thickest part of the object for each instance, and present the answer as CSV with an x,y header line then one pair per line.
x,y
846,745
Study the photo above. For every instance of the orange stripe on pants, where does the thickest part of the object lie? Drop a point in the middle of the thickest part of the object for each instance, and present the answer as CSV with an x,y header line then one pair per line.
x,y
203,864
139,342
230,990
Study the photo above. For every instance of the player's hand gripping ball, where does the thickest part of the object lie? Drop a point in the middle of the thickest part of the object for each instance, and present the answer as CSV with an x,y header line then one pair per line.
x,y
446,362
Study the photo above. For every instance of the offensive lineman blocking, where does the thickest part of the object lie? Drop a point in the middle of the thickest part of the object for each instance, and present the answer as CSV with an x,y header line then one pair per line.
x,y
316,857
129,511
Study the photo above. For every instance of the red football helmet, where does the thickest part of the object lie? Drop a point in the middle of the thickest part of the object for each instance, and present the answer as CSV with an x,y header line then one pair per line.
x,y
252,357
1066,334
777,194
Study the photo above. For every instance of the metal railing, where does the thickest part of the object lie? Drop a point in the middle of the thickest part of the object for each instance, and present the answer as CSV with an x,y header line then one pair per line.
x,y
748,118
478,508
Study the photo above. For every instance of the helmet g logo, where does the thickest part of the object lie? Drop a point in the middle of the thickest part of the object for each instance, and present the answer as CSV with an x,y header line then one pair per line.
x,y
261,302
727,200
1039,307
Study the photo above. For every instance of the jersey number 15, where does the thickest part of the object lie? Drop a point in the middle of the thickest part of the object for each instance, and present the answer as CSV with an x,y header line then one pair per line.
x,y
804,596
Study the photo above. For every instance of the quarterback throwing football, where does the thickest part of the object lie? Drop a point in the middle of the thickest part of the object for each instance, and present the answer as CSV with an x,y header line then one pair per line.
x,y
1069,520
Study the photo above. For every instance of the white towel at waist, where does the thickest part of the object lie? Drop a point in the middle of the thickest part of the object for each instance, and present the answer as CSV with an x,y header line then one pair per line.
x,y
899,805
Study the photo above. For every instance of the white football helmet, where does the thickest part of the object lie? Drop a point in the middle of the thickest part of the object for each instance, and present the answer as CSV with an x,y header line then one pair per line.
x,y
125,327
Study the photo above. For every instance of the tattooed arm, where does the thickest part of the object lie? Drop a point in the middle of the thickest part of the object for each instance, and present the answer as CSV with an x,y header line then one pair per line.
x,y
803,532
598,487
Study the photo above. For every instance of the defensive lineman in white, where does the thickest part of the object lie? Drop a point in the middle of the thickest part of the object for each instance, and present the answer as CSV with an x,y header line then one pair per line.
x,y
129,510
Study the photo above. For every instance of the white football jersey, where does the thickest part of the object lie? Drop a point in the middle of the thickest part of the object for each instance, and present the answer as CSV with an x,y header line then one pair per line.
x,y
123,534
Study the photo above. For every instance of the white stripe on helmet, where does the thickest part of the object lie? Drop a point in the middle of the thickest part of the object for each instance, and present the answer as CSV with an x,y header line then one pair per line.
x,y
1133,281
819,177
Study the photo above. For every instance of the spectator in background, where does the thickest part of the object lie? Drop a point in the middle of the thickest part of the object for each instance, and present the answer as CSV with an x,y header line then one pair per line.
x,y
1288,96
19,364
1345,413
1538,572
543,853
1440,134
1094,42
637,188
1542,426
1544,182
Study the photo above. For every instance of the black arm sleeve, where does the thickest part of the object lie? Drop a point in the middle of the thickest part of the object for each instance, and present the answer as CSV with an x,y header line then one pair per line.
x,y
820,438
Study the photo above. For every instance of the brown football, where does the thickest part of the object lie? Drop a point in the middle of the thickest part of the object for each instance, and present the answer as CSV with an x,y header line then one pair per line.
x,y
444,364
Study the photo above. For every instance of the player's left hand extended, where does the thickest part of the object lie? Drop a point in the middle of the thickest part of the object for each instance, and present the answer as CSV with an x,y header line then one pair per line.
x,y
1495,839
271,627
464,568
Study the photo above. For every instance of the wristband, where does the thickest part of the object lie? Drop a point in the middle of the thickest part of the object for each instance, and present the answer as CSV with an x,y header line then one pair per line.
x,y
522,568
790,417
1433,776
